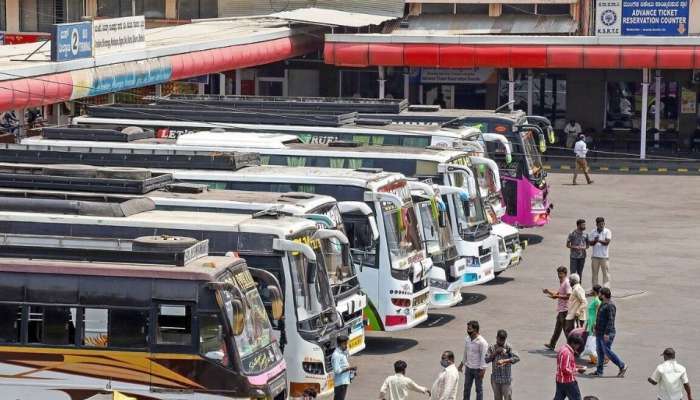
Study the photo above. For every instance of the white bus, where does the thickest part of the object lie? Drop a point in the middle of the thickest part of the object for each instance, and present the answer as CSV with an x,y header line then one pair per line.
x,y
324,210
90,315
281,245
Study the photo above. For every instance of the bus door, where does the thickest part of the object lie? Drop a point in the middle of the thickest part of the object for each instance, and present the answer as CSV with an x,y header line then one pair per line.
x,y
172,334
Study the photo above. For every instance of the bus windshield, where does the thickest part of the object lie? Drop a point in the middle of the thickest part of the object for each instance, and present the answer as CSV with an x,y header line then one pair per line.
x,y
402,235
337,264
257,333
312,295
437,238
531,153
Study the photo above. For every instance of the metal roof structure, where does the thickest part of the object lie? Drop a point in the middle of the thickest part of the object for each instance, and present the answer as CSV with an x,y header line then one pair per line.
x,y
238,8
329,17
460,24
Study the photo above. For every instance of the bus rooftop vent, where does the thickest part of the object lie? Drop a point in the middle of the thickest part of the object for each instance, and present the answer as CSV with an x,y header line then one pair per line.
x,y
369,170
127,134
342,143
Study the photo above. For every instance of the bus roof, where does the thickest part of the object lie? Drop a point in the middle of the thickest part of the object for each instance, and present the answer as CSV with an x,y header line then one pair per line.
x,y
397,152
280,226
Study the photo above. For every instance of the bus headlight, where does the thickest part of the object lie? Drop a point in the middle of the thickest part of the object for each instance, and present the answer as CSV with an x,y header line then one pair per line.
x,y
537,203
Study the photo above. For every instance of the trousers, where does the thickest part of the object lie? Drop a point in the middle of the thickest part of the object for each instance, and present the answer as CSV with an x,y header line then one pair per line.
x,y
558,327
339,392
502,391
576,266
581,164
602,265
567,391
472,378
604,349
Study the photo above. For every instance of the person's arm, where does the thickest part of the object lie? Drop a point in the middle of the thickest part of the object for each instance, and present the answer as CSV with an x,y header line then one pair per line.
x,y
383,389
568,242
686,386
490,354
482,357
464,357
513,357
607,240
413,386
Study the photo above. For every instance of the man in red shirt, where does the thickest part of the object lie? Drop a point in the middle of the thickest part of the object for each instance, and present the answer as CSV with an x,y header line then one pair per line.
x,y
567,387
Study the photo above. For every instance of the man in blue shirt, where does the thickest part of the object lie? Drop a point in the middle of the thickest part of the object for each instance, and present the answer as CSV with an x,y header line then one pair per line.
x,y
342,371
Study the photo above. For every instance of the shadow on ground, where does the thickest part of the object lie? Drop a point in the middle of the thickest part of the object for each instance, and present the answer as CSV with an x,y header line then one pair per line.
x,y
387,345
531,239
499,280
469,299
436,320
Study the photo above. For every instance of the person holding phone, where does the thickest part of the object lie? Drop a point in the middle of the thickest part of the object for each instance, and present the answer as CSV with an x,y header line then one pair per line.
x,y
599,239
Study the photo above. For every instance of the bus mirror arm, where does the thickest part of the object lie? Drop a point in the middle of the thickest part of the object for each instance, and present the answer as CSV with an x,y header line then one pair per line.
x,y
448,190
491,165
290,246
382,196
321,234
427,189
321,219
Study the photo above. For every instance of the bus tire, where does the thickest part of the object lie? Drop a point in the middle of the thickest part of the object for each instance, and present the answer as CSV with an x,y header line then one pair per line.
x,y
162,243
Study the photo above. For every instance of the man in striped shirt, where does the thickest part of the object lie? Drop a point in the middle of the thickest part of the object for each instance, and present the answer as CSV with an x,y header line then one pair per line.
x,y
567,386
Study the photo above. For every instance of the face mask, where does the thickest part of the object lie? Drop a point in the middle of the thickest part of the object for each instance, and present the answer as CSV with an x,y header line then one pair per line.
x,y
444,363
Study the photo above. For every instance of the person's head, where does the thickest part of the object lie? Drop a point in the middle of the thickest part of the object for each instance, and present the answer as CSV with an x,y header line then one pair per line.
x,y
501,337
582,137
342,342
473,329
309,394
596,290
572,121
574,279
669,354
581,224
400,367
600,223
562,272
447,358
605,294
575,342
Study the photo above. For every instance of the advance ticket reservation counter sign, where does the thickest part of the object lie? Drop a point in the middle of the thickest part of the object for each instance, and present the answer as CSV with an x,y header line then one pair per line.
x,y
642,17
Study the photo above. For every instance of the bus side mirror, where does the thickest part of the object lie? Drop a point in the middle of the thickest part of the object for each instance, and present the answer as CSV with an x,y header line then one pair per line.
x,y
442,219
276,301
543,142
239,316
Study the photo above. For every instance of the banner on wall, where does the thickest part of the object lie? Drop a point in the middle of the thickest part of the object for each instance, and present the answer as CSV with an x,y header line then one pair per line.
x,y
689,102
642,17
118,34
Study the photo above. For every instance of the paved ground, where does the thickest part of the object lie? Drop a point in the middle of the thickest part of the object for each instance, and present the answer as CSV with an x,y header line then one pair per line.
x,y
654,256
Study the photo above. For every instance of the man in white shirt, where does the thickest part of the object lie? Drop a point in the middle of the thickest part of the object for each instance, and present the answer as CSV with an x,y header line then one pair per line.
x,y
599,239
572,130
397,386
671,378
474,359
445,386
580,149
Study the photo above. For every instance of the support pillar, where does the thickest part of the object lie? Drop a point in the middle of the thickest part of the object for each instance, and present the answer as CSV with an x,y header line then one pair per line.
x,y
511,88
159,90
382,82
112,98
200,88
222,84
529,93
239,72
340,83
657,109
645,101
406,86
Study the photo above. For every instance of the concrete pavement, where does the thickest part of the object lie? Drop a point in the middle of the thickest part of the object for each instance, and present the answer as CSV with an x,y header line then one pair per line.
x,y
654,264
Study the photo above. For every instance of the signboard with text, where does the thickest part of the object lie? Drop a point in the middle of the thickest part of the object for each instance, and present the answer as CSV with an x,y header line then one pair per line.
x,y
642,17
118,34
457,75
71,41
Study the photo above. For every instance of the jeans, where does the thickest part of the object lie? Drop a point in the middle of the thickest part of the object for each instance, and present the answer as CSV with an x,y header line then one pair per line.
x,y
472,376
558,327
604,349
339,392
576,266
603,265
567,391
502,391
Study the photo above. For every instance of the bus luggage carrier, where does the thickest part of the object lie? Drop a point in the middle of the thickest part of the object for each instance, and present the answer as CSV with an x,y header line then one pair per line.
x,y
82,177
104,157
196,112
122,251
342,104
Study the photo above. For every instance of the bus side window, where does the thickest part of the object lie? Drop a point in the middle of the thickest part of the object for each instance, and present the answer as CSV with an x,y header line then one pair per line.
x,y
10,322
95,327
174,325
52,325
359,234
128,328
211,338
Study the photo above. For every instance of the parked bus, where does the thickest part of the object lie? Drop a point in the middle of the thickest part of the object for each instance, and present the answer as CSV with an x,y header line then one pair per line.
x,y
283,246
324,210
150,318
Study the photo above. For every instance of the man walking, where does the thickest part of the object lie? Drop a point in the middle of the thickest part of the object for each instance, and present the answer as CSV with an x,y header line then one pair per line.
x,y
445,386
671,378
605,335
397,386
501,356
576,313
600,239
572,131
341,368
562,297
474,361
580,149
577,243
567,386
